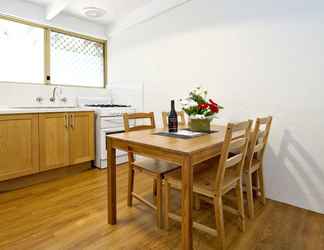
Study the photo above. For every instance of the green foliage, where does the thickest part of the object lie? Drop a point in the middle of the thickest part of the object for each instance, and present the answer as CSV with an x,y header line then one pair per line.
x,y
194,110
197,98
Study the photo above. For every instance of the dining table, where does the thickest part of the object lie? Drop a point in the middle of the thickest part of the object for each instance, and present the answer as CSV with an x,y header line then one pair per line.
x,y
181,151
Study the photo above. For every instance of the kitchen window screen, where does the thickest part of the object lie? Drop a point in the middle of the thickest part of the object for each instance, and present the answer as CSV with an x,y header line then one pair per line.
x,y
76,61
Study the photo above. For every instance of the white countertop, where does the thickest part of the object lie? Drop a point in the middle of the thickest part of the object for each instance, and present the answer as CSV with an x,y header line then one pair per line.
x,y
29,110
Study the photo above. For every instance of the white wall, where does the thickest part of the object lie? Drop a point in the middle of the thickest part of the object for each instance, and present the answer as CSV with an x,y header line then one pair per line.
x,y
25,94
256,58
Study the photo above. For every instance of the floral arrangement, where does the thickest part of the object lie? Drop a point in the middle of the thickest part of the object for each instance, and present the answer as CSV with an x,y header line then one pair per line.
x,y
197,107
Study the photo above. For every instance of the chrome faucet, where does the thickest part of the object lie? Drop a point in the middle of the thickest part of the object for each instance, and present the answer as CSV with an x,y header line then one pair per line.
x,y
55,95
53,98
39,99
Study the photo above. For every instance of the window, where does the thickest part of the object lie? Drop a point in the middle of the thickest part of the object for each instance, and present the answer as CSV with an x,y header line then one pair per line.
x,y
76,61
32,53
21,52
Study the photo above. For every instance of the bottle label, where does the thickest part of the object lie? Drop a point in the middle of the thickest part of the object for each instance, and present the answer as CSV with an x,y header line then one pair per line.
x,y
173,124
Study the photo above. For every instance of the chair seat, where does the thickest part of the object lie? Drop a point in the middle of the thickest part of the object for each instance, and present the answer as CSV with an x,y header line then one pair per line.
x,y
155,166
204,180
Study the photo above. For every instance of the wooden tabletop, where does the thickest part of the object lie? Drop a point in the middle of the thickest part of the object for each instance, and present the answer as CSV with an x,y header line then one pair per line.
x,y
172,144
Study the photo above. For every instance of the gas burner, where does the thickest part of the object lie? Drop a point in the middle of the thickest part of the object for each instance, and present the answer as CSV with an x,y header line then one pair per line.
x,y
107,106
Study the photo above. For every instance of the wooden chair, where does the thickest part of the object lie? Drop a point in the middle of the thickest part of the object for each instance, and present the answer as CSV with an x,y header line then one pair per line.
x,y
217,179
181,118
154,168
254,161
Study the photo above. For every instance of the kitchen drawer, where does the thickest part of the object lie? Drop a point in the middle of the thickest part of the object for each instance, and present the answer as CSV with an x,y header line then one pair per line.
x,y
112,122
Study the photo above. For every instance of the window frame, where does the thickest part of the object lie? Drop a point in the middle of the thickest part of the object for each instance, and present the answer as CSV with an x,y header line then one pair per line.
x,y
47,51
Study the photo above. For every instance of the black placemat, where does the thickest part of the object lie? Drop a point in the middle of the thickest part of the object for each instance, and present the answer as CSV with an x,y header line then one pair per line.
x,y
175,135
208,132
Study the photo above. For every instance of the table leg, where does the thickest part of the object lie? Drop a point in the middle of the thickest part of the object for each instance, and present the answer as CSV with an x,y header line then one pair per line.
x,y
186,202
111,182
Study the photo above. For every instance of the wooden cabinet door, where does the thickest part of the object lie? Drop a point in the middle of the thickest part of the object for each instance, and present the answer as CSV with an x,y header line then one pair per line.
x,y
18,146
54,140
81,137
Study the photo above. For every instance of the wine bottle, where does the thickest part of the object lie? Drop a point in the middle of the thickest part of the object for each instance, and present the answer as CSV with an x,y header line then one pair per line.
x,y
173,119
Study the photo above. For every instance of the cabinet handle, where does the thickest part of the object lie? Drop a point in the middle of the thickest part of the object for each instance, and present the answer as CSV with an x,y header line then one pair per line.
x,y
66,121
72,117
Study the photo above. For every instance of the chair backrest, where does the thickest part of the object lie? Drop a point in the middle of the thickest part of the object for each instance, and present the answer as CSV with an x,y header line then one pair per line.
x,y
258,140
236,139
181,118
138,116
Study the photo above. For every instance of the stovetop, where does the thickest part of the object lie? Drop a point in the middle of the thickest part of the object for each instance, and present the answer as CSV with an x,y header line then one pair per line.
x,y
110,110
107,106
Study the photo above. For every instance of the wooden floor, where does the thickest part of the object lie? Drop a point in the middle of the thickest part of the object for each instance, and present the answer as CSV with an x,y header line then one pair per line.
x,y
70,213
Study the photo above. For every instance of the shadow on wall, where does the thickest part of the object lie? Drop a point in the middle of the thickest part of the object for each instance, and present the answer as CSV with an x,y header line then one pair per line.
x,y
298,169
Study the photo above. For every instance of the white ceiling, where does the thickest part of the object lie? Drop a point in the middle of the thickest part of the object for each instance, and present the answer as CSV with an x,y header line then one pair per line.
x,y
115,9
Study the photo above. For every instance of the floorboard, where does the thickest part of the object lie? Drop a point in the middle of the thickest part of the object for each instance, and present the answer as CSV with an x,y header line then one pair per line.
x,y
70,213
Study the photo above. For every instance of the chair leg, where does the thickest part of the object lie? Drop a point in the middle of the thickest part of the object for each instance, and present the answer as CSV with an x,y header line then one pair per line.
x,y
240,205
159,202
249,191
154,190
261,181
166,196
197,201
130,187
256,184
218,206
130,180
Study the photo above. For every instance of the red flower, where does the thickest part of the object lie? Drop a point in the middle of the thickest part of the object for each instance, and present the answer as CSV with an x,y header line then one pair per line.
x,y
203,106
212,102
213,106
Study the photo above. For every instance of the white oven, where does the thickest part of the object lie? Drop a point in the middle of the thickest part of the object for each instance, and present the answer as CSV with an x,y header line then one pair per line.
x,y
109,120
106,126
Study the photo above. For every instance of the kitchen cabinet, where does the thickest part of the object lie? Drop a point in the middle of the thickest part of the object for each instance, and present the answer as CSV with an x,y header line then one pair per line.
x,y
53,140
33,143
81,136
19,151
66,139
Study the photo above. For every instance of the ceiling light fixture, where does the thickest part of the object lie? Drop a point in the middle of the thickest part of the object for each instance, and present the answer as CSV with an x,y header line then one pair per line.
x,y
93,12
